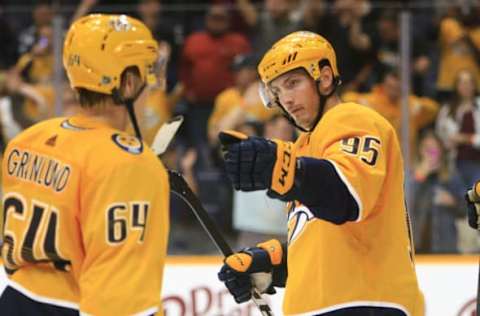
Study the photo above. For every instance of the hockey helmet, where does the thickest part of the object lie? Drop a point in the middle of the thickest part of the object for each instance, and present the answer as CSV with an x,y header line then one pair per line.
x,y
98,48
300,49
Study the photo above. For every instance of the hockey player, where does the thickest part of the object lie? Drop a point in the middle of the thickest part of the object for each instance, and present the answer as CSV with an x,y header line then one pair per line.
x,y
349,250
87,204
473,201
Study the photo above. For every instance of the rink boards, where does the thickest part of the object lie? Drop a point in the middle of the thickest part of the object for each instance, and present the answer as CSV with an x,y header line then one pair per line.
x,y
449,284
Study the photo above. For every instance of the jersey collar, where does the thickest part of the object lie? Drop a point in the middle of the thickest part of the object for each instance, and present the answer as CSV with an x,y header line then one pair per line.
x,y
86,122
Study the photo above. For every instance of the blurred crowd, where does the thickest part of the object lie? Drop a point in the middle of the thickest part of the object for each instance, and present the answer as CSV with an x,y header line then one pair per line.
x,y
209,51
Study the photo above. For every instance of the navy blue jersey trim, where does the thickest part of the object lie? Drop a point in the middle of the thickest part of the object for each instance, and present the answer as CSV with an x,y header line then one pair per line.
x,y
319,187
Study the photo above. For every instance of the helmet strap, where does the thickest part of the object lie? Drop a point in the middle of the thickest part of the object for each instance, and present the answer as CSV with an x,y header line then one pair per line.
x,y
323,101
133,118
128,103
290,118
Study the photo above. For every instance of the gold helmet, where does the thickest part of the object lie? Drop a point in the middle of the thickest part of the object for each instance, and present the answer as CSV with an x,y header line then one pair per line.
x,y
98,48
297,50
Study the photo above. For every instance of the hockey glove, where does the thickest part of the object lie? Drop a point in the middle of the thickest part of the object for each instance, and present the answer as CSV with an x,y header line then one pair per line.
x,y
473,201
255,163
251,267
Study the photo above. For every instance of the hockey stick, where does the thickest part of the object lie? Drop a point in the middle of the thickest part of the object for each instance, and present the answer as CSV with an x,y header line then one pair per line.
x,y
165,134
179,187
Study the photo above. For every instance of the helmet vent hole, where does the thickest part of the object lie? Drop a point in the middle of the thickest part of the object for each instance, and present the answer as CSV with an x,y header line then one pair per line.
x,y
105,37
290,58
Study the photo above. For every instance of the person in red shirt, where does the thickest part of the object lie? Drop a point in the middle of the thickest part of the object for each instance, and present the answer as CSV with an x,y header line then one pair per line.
x,y
205,69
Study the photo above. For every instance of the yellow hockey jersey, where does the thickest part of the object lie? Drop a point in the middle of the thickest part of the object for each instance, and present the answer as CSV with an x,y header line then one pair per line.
x,y
86,218
368,262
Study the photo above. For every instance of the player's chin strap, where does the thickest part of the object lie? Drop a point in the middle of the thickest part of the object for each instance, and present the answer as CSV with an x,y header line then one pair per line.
x,y
323,101
128,103
290,118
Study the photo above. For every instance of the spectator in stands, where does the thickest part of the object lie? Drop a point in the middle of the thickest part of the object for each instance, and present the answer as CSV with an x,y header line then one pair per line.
x,y
8,127
243,13
8,53
205,71
458,125
424,43
166,30
35,69
29,103
459,42
316,15
276,19
238,103
439,201
385,98
345,27
36,65
386,49
42,15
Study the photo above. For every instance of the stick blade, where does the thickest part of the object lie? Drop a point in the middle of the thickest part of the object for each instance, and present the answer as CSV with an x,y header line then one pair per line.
x,y
165,134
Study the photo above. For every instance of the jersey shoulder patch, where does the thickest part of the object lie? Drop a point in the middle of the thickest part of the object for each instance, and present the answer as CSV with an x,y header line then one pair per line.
x,y
128,143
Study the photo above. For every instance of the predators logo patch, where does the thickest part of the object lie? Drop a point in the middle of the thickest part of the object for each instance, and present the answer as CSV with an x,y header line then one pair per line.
x,y
298,219
128,143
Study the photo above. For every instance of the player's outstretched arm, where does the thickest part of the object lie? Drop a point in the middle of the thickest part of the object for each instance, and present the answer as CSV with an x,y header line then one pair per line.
x,y
255,163
262,267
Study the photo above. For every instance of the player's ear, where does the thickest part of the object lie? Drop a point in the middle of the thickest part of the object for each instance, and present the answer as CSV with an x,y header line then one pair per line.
x,y
128,85
131,82
325,79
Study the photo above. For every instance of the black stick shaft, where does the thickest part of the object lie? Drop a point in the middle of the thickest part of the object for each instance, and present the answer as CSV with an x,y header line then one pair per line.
x,y
182,190
179,187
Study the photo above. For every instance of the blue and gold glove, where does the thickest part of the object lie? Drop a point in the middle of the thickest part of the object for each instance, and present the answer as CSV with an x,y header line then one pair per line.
x,y
473,201
251,267
255,163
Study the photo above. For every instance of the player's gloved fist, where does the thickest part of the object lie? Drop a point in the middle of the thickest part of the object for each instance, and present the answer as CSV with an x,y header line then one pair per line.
x,y
255,163
473,201
251,267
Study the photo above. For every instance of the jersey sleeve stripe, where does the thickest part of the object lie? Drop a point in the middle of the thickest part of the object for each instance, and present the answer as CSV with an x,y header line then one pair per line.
x,y
350,188
147,312
356,304
40,298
